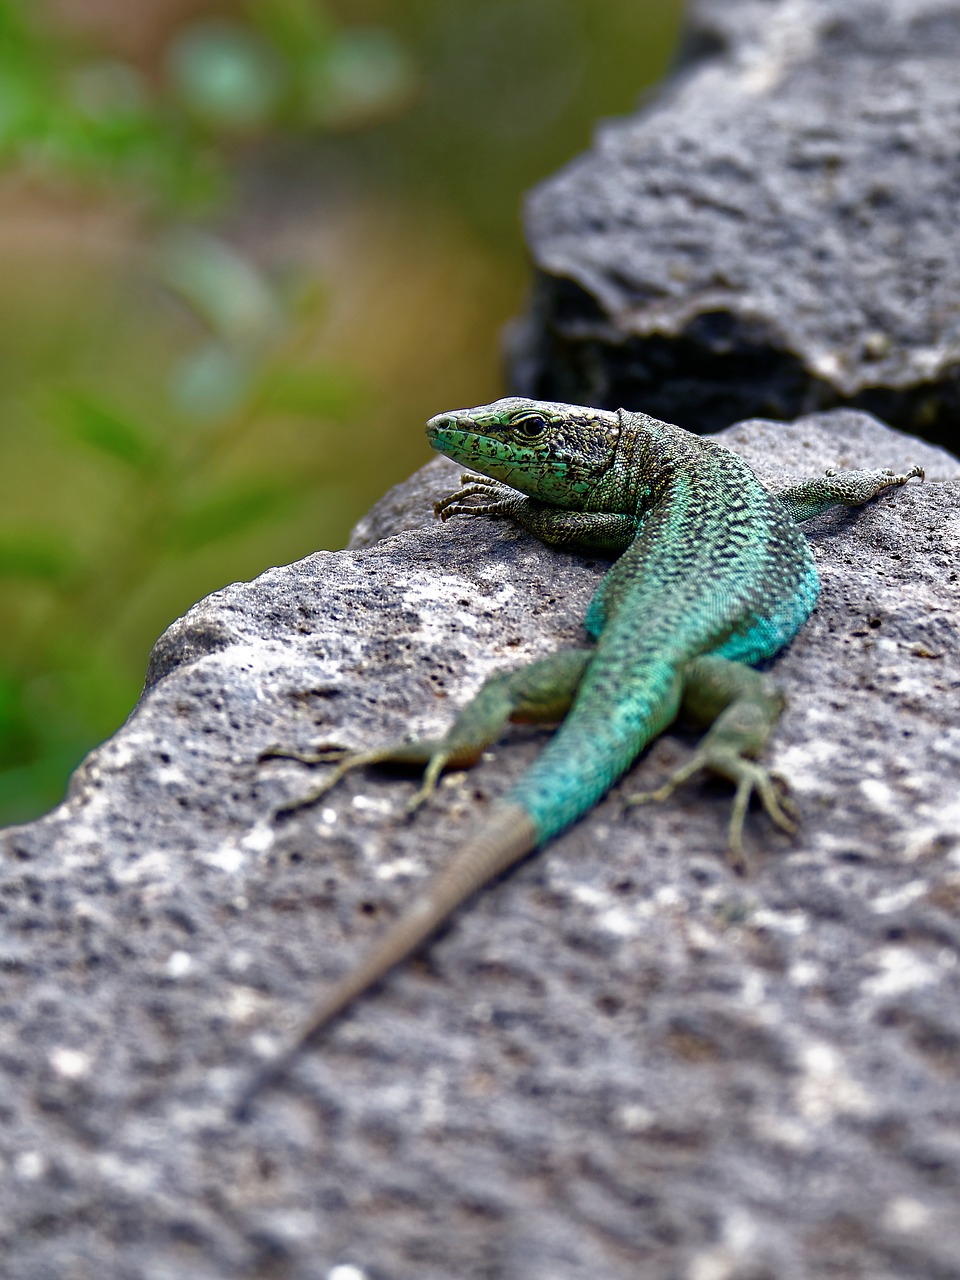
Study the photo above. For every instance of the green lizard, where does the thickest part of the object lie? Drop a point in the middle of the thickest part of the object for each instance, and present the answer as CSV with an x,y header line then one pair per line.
x,y
712,578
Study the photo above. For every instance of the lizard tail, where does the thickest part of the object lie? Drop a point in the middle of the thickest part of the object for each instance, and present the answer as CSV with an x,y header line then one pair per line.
x,y
508,836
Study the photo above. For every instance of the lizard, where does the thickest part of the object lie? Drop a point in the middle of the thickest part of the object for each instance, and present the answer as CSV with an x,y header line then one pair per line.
x,y
711,578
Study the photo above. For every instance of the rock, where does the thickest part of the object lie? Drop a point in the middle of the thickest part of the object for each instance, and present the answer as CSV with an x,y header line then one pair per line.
x,y
620,1061
775,232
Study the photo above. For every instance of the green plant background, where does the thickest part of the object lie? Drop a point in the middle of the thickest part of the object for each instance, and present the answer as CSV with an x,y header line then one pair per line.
x,y
246,250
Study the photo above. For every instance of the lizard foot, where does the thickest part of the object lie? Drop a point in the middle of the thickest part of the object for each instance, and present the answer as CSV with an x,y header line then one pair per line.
x,y
749,778
478,496
436,765
895,477
435,755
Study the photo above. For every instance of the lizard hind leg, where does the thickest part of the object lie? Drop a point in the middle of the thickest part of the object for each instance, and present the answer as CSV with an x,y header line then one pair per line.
x,y
538,693
425,751
742,707
840,489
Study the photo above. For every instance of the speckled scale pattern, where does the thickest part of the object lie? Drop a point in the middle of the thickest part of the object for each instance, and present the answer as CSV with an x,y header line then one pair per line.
x,y
716,568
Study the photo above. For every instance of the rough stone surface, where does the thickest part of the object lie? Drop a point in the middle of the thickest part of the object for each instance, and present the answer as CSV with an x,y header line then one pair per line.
x,y
621,1061
776,232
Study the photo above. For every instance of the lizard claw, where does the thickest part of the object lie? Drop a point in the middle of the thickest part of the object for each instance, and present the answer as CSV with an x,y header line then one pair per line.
x,y
901,477
324,754
749,779
780,808
785,800
317,793
478,496
435,766
434,755
328,753
676,779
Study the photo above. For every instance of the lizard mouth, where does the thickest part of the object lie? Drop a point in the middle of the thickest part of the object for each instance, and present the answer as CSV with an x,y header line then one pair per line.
x,y
446,425
446,421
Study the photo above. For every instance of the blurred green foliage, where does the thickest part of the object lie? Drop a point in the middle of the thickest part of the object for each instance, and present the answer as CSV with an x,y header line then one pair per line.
x,y
244,256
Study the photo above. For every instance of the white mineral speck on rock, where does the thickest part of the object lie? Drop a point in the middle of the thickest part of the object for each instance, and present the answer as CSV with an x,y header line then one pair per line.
x,y
898,970
906,1214
227,858
398,867
899,898
367,804
826,1089
260,838
346,1273
30,1165
71,1063
635,1118
179,964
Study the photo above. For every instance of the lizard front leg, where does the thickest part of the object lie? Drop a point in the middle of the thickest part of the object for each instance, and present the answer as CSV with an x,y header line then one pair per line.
x,y
609,533
539,693
742,707
840,489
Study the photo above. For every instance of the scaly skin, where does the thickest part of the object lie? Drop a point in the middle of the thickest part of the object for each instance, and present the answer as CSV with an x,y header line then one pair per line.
x,y
712,577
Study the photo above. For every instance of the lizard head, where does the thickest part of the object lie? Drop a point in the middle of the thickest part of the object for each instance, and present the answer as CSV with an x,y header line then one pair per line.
x,y
554,452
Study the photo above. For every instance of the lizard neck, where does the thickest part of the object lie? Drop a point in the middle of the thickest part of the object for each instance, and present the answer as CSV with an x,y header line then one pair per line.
x,y
647,456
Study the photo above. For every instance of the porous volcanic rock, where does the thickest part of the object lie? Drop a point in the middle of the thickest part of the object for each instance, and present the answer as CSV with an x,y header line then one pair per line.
x,y
774,232
620,1061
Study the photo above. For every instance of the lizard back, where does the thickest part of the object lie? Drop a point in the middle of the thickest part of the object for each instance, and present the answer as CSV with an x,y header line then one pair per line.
x,y
716,567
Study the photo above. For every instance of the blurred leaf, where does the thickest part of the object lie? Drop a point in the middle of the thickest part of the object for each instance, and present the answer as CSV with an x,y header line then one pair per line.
x,y
297,28
232,510
304,296
221,287
18,108
23,78
16,739
92,122
30,789
36,556
89,420
364,75
226,75
94,147
49,723
108,91
10,21
211,383
320,392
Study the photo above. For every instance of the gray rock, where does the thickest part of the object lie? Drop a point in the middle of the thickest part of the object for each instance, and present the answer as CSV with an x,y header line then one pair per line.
x,y
621,1061
774,233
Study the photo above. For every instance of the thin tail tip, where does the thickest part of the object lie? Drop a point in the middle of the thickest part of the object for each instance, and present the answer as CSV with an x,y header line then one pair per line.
x,y
257,1085
505,838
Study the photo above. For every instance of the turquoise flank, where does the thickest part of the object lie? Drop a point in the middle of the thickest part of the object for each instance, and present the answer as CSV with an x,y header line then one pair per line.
x,y
596,618
715,567
768,636
599,740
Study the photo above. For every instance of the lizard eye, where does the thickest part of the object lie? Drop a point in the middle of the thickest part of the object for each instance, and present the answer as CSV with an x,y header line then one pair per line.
x,y
532,426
